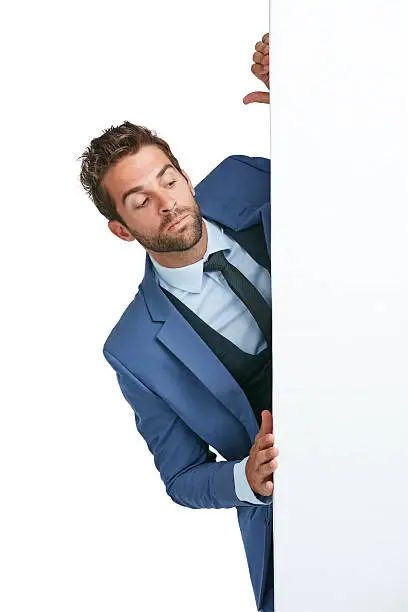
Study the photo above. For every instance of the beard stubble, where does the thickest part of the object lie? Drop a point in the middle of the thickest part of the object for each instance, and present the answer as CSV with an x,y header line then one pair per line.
x,y
183,240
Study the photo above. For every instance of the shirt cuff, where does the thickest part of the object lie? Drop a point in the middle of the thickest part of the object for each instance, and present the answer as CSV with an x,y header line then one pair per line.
x,y
243,490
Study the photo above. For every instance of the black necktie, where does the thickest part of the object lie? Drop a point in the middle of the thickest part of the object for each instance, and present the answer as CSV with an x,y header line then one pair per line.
x,y
247,293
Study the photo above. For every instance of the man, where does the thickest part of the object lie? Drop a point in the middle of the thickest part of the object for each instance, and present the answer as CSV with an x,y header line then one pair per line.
x,y
192,352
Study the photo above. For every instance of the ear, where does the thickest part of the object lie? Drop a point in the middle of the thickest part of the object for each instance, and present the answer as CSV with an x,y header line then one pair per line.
x,y
188,181
120,231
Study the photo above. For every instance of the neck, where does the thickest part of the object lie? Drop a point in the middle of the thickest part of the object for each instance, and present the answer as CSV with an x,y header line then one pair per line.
x,y
179,259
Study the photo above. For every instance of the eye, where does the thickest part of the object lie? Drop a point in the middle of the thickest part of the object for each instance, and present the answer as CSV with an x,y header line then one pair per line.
x,y
172,183
143,203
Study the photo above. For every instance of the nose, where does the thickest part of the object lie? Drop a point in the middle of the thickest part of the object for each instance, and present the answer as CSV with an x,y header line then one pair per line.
x,y
166,202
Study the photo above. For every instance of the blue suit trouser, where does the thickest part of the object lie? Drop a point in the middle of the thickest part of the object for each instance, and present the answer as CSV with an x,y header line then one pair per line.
x,y
267,604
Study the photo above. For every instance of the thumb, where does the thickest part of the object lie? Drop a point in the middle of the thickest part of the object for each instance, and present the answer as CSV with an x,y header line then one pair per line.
x,y
257,96
266,424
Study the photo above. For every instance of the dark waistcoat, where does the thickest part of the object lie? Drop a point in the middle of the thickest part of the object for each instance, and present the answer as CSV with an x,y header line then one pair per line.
x,y
252,372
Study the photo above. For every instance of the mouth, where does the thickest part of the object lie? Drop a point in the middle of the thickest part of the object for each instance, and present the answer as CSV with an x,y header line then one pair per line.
x,y
176,223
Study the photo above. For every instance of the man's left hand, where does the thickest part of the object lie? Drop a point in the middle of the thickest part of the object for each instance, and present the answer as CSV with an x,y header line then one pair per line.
x,y
260,68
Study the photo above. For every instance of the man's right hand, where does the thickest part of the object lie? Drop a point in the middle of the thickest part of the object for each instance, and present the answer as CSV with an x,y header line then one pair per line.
x,y
261,463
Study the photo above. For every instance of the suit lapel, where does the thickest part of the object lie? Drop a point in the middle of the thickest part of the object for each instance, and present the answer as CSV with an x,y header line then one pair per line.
x,y
185,344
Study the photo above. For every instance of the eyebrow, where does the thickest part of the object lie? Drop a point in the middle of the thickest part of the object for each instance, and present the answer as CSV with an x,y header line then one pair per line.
x,y
138,188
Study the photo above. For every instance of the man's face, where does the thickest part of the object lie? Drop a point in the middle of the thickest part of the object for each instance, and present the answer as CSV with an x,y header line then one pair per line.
x,y
151,195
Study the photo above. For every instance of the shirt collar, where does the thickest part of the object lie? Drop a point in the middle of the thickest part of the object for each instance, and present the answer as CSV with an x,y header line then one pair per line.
x,y
190,278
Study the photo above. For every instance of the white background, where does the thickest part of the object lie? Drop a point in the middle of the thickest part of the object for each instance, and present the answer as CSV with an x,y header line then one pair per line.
x,y
85,520
340,304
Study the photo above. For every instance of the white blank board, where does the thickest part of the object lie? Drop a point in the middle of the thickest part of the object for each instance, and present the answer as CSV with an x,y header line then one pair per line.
x,y
340,288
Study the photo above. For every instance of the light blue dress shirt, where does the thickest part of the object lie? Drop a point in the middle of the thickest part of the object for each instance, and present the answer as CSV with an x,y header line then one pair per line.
x,y
212,299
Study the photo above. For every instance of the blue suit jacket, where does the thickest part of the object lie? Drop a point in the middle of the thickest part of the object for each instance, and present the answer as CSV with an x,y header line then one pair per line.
x,y
183,397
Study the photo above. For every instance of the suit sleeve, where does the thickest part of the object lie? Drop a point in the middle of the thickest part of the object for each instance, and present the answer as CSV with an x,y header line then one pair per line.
x,y
259,163
188,469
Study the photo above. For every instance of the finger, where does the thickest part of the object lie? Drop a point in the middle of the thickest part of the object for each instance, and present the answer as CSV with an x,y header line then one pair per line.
x,y
265,38
264,442
260,46
266,423
265,60
265,426
257,96
266,469
258,70
263,456
258,58
266,488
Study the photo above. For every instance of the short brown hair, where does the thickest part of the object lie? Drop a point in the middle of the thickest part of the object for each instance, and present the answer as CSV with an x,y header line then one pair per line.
x,y
104,151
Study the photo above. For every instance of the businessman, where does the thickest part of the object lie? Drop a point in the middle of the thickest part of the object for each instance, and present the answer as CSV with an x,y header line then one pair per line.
x,y
192,351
